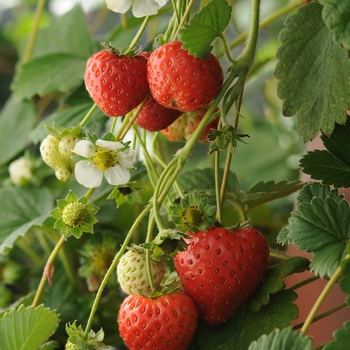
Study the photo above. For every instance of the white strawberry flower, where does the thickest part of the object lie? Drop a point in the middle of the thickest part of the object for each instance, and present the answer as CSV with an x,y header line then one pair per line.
x,y
105,158
140,8
20,171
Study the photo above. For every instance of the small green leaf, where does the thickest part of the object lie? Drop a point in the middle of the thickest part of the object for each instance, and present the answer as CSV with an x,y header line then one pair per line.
x,y
246,326
322,165
27,328
285,339
206,25
322,228
336,15
318,190
22,209
341,339
313,73
273,280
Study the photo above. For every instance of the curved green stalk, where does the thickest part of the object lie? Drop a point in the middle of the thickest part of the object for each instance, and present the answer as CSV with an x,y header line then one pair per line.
x,y
113,266
321,299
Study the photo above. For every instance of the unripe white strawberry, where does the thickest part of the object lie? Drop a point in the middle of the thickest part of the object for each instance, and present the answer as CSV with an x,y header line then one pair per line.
x,y
66,145
57,154
132,273
49,150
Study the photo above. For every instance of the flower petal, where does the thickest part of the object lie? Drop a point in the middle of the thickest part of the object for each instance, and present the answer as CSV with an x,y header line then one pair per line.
x,y
142,8
84,148
87,174
125,159
120,6
112,145
117,175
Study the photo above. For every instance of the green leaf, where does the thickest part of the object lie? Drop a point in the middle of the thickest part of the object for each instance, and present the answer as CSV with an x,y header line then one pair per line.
x,y
332,166
51,345
20,210
270,190
58,59
246,326
50,73
273,280
322,165
285,339
322,228
344,283
16,120
338,143
341,337
313,73
316,189
336,15
27,328
204,180
206,25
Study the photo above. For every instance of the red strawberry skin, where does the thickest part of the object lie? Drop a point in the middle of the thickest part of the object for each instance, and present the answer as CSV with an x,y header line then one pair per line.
x,y
180,81
221,268
116,83
166,322
155,117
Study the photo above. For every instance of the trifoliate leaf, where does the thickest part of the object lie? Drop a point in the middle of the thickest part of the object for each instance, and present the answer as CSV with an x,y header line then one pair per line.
x,y
246,326
285,339
336,15
313,73
273,280
341,337
322,228
27,328
206,25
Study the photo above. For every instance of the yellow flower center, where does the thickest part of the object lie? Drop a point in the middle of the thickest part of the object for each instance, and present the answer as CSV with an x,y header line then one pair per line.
x,y
105,158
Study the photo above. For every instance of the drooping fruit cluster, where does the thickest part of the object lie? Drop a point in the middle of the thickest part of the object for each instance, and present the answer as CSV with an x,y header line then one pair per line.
x,y
221,269
165,322
177,82
117,83
56,153
186,124
132,273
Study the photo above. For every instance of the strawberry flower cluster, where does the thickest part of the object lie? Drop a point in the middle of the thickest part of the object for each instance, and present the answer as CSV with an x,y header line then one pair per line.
x,y
110,159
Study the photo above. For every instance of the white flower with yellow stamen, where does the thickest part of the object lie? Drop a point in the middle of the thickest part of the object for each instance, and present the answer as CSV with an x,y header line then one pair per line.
x,y
105,158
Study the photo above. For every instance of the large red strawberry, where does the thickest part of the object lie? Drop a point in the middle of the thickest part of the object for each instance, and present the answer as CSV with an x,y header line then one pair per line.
x,y
221,268
181,81
186,124
116,83
155,117
167,322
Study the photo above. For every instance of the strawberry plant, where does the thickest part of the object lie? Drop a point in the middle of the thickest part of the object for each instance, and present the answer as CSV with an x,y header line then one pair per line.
x,y
154,177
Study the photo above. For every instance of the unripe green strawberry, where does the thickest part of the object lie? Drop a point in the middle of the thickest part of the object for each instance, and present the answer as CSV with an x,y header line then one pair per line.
x,y
132,273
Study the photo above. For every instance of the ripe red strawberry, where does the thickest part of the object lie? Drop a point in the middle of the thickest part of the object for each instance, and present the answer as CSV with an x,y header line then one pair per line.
x,y
155,117
180,81
116,83
221,268
167,322
186,124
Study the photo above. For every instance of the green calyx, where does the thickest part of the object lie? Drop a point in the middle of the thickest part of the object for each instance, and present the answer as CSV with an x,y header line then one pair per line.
x,y
74,216
193,213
